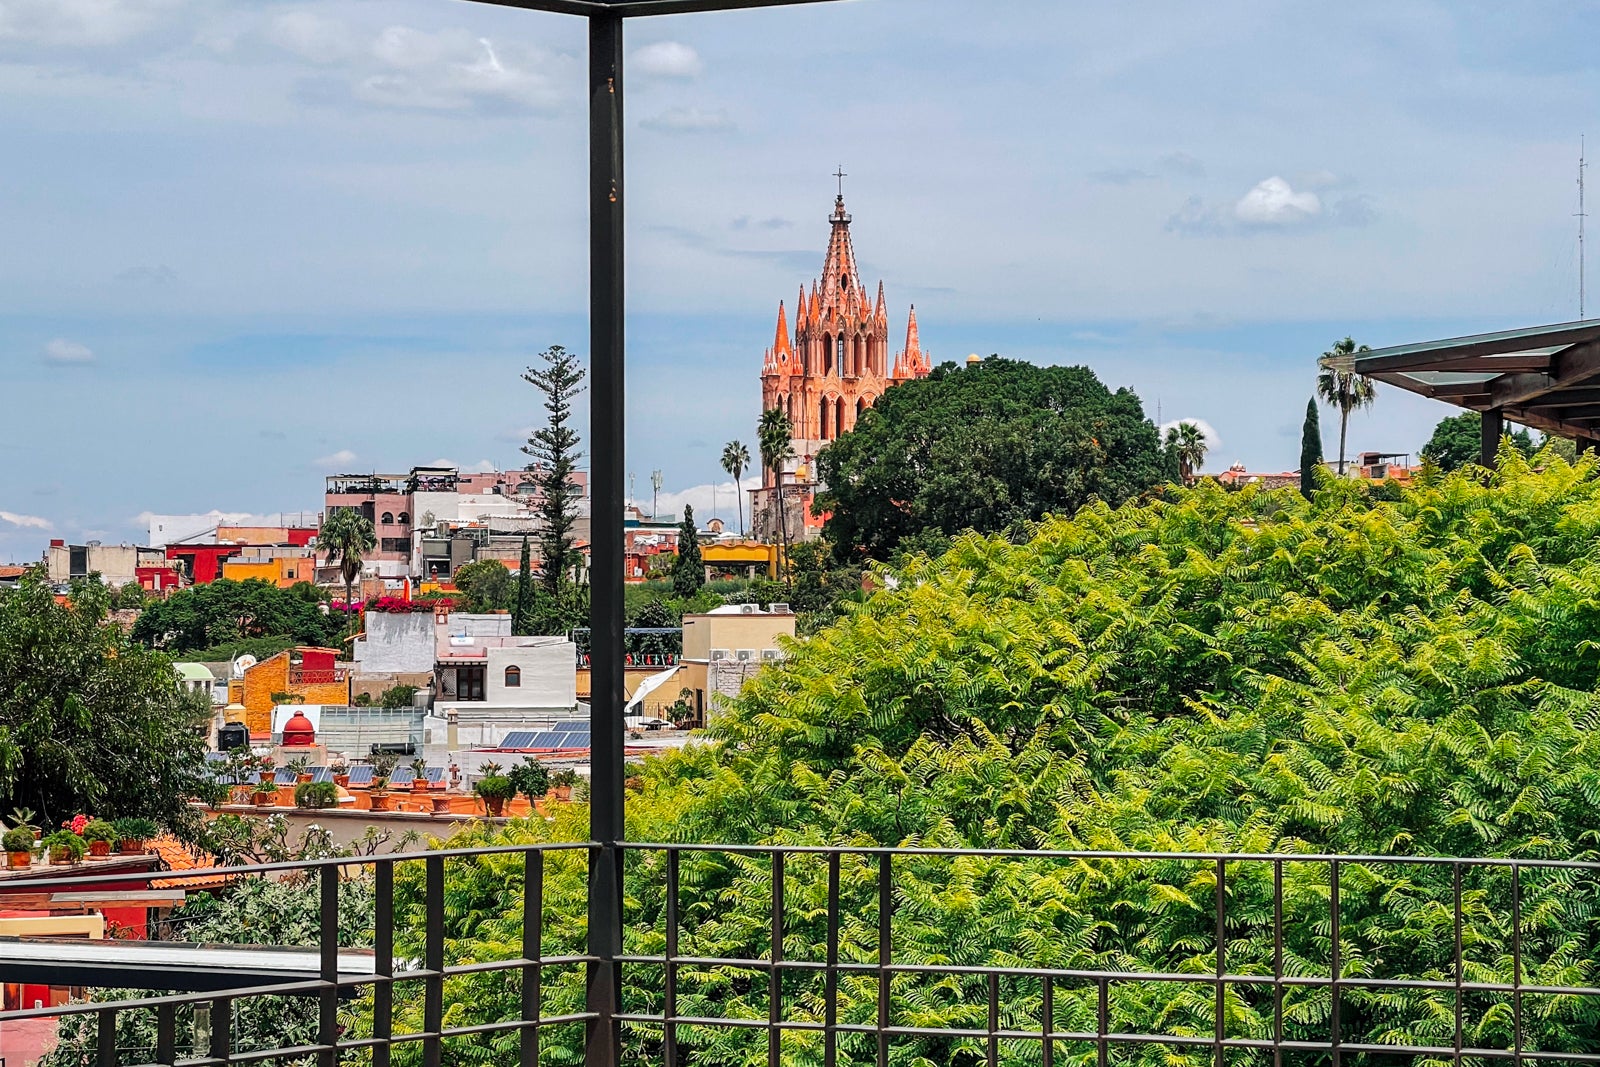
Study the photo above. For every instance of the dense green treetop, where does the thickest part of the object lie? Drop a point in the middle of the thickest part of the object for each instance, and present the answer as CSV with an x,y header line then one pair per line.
x,y
485,585
91,721
985,447
688,568
1456,441
204,616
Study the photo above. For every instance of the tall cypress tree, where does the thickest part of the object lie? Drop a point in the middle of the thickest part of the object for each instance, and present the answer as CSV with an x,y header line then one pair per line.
x,y
521,622
688,570
554,448
1310,449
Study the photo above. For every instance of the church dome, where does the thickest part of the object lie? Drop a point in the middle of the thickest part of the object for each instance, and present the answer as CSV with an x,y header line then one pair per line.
x,y
298,731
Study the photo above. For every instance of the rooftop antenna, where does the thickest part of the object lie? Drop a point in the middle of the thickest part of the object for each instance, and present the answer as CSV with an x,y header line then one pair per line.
x,y
1581,216
655,493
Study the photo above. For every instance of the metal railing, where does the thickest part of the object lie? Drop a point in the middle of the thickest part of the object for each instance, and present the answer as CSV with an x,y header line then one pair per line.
x,y
1268,938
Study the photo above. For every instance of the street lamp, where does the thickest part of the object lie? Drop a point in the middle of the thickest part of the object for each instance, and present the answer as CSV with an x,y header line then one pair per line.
x,y
606,420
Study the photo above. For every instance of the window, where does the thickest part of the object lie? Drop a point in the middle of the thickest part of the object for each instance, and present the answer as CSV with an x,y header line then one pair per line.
x,y
513,677
388,518
405,518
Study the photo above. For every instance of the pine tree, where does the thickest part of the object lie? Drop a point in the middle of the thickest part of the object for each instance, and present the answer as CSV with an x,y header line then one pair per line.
x,y
521,621
554,448
688,572
1310,450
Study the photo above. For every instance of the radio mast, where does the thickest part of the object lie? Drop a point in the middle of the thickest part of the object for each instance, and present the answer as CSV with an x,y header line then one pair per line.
x,y
1581,215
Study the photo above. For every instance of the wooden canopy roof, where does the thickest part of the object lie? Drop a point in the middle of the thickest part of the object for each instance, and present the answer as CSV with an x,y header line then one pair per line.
x,y
1547,377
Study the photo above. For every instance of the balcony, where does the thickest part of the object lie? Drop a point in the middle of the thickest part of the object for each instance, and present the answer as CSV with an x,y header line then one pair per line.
x,y
323,676
1244,957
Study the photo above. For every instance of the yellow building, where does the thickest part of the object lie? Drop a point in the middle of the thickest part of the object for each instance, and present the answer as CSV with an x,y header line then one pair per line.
x,y
307,675
739,559
724,648
282,571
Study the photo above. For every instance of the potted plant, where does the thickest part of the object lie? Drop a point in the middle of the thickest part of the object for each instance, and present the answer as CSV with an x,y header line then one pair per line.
x,y
531,778
562,782
419,768
633,776
382,766
266,793
340,769
19,847
495,789
316,795
301,766
132,833
22,819
101,835
65,847
265,771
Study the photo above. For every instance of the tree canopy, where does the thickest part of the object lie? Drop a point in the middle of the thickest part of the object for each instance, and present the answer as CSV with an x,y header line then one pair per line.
x,y
1456,441
986,447
1214,671
91,721
225,611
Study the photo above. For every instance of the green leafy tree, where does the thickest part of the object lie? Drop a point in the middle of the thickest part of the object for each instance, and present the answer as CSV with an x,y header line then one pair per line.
x,y
688,570
1345,391
553,448
486,585
775,441
1458,441
347,536
397,696
225,618
89,719
1188,445
1310,450
522,619
989,448
735,460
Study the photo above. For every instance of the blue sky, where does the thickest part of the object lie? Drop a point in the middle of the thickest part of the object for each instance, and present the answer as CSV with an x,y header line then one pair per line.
x,y
243,244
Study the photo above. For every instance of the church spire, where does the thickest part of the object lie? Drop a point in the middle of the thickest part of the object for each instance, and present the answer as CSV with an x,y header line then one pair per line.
x,y
780,343
839,276
911,363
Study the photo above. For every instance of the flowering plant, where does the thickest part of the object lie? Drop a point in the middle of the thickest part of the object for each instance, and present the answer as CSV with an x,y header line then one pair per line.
x,y
394,605
76,823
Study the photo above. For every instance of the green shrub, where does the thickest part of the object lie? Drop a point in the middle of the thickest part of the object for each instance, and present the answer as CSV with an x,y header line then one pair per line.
x,y
316,795
495,787
99,830
66,843
135,829
530,778
19,839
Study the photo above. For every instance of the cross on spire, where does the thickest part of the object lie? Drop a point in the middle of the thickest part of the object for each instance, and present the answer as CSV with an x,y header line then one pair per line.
x,y
841,175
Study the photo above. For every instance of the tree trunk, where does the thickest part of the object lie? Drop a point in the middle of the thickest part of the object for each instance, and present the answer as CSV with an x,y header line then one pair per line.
x,y
738,493
1344,422
783,527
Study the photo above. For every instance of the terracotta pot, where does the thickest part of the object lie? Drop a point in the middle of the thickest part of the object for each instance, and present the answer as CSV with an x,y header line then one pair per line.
x,y
99,849
37,834
240,794
303,777
441,804
419,785
266,800
496,805
563,792
341,780
19,860
130,847
60,858
381,801
636,784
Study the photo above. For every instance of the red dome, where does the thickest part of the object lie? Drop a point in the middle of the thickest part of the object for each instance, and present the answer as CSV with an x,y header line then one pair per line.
x,y
298,731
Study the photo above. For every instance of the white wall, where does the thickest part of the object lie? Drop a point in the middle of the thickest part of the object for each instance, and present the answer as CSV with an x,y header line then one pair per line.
x,y
549,675
396,643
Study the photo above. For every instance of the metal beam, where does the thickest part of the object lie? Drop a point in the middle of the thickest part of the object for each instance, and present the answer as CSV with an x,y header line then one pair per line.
x,y
1486,364
1423,356
1571,367
1572,397
1493,428
639,8
603,994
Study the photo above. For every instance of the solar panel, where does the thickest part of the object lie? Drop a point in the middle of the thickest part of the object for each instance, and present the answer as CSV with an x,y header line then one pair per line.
x,y
435,774
361,774
321,774
216,757
285,776
402,776
517,739
571,726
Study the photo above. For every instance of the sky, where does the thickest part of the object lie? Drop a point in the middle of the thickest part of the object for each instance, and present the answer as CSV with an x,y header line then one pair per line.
x,y
245,244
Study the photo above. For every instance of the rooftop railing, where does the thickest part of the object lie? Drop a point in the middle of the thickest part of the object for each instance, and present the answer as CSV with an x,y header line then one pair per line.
x,y
836,955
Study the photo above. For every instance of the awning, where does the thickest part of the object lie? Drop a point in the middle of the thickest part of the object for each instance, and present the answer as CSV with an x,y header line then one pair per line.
x,y
636,702
1546,377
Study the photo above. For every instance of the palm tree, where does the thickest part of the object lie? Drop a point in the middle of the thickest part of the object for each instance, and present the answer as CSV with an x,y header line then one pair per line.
x,y
775,439
347,535
735,458
1345,391
1188,444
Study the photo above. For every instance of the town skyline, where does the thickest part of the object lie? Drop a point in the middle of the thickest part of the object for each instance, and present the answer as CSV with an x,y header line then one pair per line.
x,y
356,200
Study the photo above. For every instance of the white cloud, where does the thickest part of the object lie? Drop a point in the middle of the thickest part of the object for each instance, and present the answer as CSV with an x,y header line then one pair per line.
x,y
63,351
1273,202
483,466
77,23
688,120
1209,432
27,522
716,498
667,59
312,37
340,459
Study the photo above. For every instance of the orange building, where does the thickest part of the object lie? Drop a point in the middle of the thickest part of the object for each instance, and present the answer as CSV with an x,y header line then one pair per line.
x,y
828,373
309,675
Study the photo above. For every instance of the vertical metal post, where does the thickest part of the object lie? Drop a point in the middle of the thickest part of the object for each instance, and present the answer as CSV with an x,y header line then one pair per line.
x,y
433,962
1047,1016
992,1049
383,962
1219,1056
166,1035
1494,425
1277,963
1455,874
603,1039
105,1037
830,981
1516,965
328,943
775,978
1335,965
669,1030
885,949
221,1029
1102,1024
532,953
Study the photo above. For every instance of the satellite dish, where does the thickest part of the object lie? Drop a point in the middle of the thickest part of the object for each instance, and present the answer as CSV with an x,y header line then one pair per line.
x,y
242,664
